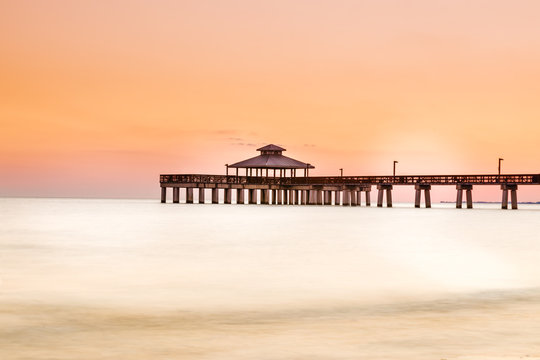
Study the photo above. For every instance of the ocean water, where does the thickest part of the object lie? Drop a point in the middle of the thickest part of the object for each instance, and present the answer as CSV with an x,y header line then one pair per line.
x,y
136,279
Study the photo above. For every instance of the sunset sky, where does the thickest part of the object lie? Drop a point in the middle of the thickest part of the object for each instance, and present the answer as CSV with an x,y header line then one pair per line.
x,y
99,97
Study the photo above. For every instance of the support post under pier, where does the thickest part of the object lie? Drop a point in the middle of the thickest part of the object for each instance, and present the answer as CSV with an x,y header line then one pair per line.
x,y
292,197
346,197
382,188
513,195
265,196
327,197
312,197
319,197
368,198
514,198
252,196
215,196
504,204
240,196
175,195
163,194
354,197
201,195
363,189
337,197
228,196
468,193
427,196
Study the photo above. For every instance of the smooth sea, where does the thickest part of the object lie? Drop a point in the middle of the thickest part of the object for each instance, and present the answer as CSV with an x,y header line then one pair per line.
x,y
136,279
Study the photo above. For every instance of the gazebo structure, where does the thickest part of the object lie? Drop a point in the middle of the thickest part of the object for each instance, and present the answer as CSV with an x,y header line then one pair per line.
x,y
271,163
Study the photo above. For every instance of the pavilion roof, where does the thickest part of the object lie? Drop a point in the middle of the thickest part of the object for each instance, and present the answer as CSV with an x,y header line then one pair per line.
x,y
272,161
271,157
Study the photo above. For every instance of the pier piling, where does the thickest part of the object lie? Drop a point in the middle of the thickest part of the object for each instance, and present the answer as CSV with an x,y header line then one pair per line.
x,y
337,197
227,196
240,196
427,197
327,197
354,198
305,197
312,197
514,199
189,195
215,196
201,195
265,194
292,197
346,197
513,195
468,192
382,188
252,196
319,197
504,204
418,196
163,194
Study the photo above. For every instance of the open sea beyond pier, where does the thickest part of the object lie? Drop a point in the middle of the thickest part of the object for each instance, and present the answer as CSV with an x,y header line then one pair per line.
x,y
136,279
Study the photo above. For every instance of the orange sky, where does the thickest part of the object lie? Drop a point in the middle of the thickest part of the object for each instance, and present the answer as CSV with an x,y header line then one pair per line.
x,y
98,97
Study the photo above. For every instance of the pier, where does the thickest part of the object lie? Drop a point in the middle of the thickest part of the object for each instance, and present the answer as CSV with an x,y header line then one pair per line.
x,y
271,178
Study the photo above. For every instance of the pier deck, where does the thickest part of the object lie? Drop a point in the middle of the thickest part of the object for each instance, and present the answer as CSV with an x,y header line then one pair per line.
x,y
170,180
337,190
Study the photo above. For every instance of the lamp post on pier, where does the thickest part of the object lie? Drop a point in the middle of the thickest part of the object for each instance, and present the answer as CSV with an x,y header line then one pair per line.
x,y
500,161
341,171
395,162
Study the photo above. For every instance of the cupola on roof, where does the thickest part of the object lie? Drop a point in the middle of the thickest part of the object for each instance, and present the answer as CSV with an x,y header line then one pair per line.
x,y
271,147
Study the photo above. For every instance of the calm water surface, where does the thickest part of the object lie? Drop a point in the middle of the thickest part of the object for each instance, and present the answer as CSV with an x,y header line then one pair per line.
x,y
135,279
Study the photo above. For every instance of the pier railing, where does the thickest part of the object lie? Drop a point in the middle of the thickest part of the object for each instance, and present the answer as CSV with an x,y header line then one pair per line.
x,y
521,179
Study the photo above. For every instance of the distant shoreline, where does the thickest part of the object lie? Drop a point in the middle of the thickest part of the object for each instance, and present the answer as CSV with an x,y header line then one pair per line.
x,y
494,202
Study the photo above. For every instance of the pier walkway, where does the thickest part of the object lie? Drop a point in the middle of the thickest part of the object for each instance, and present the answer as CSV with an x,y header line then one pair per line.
x,y
341,190
271,178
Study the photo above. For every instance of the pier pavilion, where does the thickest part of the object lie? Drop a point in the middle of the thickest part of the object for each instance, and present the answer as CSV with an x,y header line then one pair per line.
x,y
271,162
271,178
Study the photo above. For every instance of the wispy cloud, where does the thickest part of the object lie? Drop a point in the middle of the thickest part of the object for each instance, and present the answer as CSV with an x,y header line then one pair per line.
x,y
224,132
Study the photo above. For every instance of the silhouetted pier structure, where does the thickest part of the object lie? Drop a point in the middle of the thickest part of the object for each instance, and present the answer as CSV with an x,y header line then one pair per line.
x,y
271,178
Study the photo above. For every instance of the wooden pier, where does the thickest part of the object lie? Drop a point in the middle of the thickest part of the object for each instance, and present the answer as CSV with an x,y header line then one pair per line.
x,y
271,185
